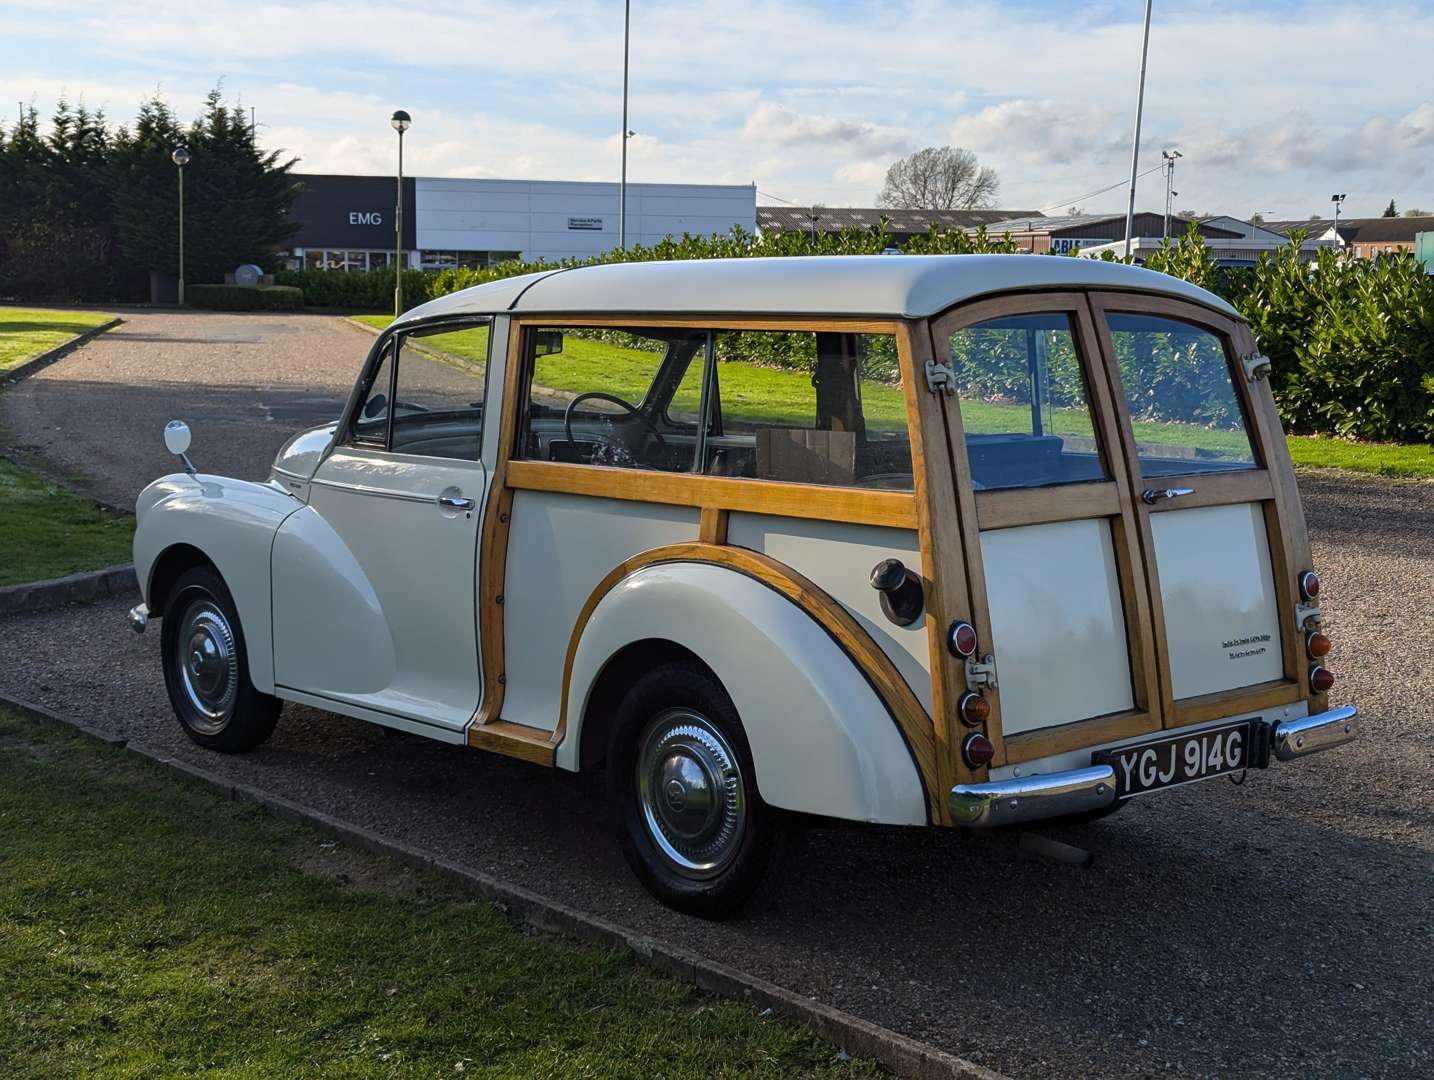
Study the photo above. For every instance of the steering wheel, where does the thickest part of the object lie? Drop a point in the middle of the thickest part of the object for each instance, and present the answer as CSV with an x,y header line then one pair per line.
x,y
598,394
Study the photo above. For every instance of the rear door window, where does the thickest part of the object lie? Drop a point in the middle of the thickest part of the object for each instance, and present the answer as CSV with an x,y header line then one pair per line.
x,y
1024,403
1183,406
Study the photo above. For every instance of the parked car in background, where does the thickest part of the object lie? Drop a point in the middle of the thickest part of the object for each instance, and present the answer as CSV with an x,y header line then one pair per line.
x,y
953,541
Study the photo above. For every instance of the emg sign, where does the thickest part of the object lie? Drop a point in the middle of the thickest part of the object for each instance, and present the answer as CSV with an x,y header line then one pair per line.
x,y
365,217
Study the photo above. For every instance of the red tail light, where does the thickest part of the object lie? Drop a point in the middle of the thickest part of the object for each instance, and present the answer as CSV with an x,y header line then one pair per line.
x,y
974,709
1321,679
1317,644
978,751
1309,584
961,639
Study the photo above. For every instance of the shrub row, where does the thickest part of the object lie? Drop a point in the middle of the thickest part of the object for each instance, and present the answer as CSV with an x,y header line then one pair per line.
x,y
1351,341
239,298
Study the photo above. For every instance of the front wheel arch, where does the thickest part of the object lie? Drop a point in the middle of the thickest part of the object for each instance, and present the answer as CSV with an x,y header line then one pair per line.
x,y
173,563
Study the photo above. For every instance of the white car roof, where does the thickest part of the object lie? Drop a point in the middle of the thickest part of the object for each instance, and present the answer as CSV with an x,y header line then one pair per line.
x,y
890,286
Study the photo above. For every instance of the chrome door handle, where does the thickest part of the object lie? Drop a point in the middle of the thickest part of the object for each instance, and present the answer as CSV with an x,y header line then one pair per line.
x,y
455,502
1151,496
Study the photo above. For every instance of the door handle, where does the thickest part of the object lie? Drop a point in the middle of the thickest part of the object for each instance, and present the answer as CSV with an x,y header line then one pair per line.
x,y
455,502
1151,496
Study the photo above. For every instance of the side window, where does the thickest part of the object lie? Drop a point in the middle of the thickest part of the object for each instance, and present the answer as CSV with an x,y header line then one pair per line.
x,y
370,423
433,403
1183,405
438,394
1024,403
623,398
809,407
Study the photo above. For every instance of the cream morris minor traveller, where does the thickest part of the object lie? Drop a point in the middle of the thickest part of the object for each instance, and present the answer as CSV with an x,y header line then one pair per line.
x,y
918,540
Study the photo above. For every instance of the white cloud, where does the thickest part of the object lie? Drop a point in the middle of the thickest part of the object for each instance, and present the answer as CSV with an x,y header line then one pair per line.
x,y
1273,105
780,126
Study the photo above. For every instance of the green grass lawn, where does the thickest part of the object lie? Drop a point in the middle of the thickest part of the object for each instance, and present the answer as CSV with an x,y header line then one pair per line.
x,y
49,532
149,928
772,396
26,333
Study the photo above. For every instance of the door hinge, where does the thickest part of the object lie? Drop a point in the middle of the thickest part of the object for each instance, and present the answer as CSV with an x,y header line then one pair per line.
x,y
981,673
940,378
1257,366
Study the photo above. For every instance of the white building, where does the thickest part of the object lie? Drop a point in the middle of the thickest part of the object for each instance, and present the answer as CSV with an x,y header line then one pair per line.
x,y
346,222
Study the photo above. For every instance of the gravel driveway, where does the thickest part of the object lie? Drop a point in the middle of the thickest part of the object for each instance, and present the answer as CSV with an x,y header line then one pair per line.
x,y
245,383
1281,928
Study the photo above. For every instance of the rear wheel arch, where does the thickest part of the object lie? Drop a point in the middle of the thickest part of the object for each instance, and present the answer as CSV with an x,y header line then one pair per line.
x,y
620,671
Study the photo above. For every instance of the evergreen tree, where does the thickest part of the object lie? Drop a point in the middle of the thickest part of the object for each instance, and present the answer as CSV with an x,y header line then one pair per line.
x,y
146,197
1390,210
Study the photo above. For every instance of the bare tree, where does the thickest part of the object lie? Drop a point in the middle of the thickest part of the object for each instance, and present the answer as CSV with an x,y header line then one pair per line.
x,y
939,178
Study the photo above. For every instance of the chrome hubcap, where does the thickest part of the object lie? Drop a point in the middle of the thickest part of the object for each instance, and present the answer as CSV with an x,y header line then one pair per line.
x,y
693,794
208,666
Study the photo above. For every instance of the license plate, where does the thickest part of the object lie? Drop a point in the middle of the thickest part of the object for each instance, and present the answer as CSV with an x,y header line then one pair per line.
x,y
1177,759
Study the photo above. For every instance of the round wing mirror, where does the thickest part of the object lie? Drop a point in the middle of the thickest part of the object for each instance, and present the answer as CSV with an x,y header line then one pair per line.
x,y
176,436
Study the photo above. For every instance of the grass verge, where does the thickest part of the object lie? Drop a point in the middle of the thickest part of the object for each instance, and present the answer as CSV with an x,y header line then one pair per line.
x,y
25,333
149,928
771,396
1384,459
50,532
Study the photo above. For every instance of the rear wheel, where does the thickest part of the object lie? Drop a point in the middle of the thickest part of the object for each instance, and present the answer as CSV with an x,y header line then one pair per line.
x,y
206,667
691,824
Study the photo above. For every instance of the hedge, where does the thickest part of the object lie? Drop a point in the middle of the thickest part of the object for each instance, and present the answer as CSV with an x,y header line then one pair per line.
x,y
240,298
1351,341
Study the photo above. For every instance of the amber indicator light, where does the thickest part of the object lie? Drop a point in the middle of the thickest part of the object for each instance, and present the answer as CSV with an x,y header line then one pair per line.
x,y
1317,644
974,709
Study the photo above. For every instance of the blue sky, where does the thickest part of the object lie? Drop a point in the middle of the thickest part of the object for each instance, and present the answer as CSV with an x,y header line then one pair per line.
x,y
1274,105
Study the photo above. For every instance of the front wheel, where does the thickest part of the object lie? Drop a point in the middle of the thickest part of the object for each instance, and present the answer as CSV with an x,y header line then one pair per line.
x,y
691,824
206,668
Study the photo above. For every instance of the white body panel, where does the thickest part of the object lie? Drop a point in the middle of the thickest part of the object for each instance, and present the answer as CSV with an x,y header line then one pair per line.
x,y
1056,618
1221,614
838,558
233,522
559,548
375,587
821,740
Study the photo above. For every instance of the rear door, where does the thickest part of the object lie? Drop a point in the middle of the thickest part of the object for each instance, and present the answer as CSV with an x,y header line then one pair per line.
x,y
1056,576
1217,510
1136,533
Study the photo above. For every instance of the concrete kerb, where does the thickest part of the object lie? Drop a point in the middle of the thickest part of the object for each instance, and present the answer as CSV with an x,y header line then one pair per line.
x,y
71,589
900,1053
45,359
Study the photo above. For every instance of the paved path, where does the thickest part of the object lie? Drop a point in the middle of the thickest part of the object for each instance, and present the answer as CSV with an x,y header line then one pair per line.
x,y
1283,928
245,383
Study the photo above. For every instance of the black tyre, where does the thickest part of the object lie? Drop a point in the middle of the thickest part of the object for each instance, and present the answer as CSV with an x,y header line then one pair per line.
x,y
680,776
206,667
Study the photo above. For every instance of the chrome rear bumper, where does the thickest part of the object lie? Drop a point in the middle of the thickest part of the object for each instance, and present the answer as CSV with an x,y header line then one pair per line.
x,y
138,618
1030,798
1311,734
1076,791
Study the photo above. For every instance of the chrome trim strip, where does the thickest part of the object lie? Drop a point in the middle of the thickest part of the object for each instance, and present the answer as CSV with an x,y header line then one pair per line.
x,y
139,618
364,489
1030,798
1311,734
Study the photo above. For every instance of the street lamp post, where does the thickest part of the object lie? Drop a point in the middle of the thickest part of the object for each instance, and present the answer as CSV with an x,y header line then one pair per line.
x,y
1135,141
400,121
1338,201
622,183
1170,157
180,157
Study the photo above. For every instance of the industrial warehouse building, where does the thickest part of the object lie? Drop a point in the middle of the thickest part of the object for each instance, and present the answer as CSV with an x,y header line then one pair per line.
x,y
347,222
